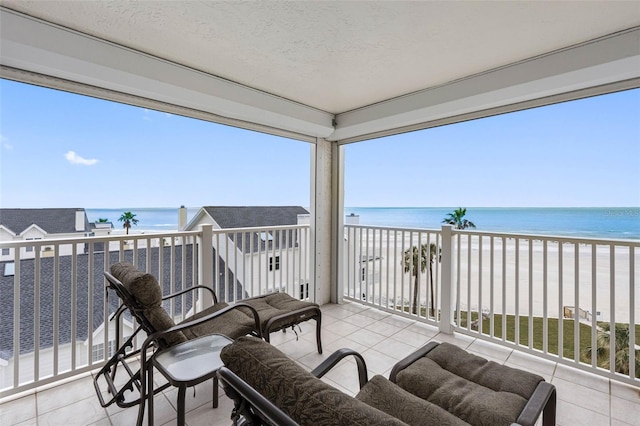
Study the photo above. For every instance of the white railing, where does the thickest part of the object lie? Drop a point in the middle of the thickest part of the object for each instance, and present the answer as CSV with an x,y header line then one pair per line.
x,y
52,292
520,291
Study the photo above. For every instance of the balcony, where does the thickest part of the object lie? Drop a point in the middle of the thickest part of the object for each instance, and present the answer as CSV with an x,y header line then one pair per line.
x,y
519,293
383,338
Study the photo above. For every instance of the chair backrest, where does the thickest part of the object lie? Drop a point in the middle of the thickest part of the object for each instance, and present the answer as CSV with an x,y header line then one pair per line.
x,y
142,295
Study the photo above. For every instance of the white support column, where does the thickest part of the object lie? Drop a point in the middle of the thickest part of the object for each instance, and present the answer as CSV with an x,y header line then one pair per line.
x,y
338,270
320,245
448,292
205,262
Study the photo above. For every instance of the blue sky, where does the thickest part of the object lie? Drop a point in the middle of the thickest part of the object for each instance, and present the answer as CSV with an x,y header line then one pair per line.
x,y
64,150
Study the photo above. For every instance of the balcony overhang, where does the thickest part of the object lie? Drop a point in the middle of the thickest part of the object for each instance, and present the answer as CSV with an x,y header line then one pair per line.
x,y
41,48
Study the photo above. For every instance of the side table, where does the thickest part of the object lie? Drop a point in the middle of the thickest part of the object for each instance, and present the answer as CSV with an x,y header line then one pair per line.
x,y
187,364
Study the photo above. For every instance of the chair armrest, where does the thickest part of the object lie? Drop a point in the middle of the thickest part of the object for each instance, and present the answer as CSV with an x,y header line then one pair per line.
x,y
195,287
543,400
338,356
410,359
187,324
247,394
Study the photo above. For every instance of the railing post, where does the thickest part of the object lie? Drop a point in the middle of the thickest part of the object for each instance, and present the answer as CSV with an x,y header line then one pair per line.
x,y
205,262
448,291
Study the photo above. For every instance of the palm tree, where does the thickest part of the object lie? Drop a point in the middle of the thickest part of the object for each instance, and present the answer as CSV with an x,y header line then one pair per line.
x,y
621,348
410,262
456,219
128,220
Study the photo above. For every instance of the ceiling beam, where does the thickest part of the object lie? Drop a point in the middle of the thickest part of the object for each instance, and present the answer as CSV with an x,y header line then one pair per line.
x,y
43,48
599,62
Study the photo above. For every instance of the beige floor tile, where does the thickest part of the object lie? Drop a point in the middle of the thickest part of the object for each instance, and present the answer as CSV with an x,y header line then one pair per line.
x,y
497,353
623,390
601,384
196,396
568,414
625,410
345,342
342,328
459,340
359,320
582,396
163,413
375,314
366,337
398,321
378,362
297,349
205,415
531,363
381,327
71,392
411,338
394,349
69,414
346,375
18,410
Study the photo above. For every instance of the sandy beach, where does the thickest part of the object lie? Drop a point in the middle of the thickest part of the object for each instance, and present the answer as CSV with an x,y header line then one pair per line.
x,y
519,269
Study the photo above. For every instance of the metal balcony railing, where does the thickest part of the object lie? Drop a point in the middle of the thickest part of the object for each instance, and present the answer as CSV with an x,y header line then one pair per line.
x,y
53,302
570,300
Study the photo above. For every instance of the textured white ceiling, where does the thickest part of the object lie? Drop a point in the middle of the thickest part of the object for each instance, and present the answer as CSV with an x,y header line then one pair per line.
x,y
339,56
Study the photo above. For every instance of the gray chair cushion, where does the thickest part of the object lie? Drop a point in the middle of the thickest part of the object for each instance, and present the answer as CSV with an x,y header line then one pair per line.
x,y
144,288
478,391
305,398
232,324
395,401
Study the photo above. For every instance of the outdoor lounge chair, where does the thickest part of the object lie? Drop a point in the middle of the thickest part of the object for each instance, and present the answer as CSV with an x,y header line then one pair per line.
x,y
141,295
269,388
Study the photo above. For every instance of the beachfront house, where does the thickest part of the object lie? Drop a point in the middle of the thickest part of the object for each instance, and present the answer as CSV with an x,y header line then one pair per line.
x,y
263,261
44,224
341,73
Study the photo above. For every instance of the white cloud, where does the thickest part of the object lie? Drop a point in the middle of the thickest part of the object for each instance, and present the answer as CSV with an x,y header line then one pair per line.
x,y
6,145
74,158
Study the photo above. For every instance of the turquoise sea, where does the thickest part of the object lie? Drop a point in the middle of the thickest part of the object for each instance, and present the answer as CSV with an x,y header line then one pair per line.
x,y
600,222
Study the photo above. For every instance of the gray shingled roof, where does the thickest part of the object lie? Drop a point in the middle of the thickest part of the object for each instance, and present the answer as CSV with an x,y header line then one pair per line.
x,y
254,216
46,299
259,216
53,221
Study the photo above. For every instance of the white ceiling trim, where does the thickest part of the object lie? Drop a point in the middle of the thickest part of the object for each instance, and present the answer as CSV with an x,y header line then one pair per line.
x,y
40,47
43,48
597,63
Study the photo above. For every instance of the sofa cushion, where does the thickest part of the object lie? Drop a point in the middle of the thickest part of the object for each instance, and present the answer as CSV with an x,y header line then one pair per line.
x,y
305,398
478,391
395,401
144,288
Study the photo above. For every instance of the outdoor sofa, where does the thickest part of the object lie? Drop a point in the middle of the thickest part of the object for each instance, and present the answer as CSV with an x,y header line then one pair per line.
x,y
439,384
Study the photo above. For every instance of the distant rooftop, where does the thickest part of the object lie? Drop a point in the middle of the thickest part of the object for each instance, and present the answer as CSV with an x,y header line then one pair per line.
x,y
52,220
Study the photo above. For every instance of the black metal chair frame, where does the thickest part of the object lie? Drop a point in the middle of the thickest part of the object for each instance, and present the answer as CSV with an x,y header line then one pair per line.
x,y
153,342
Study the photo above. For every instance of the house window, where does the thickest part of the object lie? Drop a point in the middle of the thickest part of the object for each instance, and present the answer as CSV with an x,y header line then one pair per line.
x,y
275,264
30,248
97,351
6,252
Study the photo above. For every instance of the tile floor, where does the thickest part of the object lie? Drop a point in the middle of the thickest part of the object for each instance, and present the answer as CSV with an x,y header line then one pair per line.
x,y
383,339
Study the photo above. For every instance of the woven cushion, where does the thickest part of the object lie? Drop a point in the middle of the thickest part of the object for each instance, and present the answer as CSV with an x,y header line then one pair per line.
x,y
144,288
305,398
478,391
276,304
395,401
232,324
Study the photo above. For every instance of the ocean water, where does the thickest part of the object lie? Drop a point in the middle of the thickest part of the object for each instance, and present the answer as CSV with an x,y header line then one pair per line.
x,y
605,222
